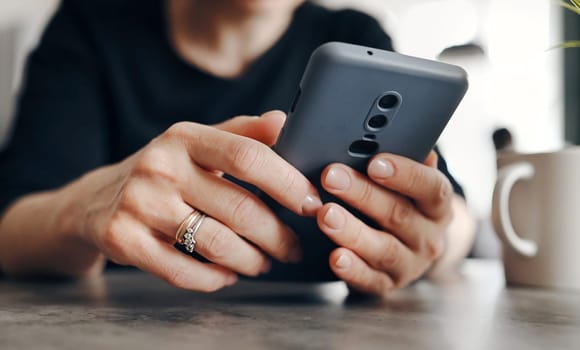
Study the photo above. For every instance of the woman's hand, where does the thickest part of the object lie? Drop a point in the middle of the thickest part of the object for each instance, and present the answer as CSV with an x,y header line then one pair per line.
x,y
132,217
411,202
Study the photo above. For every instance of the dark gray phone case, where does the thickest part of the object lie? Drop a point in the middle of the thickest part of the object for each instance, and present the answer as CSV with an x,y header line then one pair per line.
x,y
339,93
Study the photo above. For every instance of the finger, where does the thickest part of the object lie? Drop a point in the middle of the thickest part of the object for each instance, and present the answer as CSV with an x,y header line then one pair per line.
x,y
245,214
250,161
219,244
379,249
152,255
229,203
215,241
432,160
265,129
428,187
358,274
388,209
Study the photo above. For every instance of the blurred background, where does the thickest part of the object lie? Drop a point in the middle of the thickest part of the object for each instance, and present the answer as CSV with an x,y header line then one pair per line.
x,y
515,81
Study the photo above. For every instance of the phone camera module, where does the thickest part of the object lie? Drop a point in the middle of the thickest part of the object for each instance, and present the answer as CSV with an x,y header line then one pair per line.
x,y
377,122
388,101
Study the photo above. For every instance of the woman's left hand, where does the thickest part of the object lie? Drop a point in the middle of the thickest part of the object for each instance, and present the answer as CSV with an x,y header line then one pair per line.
x,y
410,201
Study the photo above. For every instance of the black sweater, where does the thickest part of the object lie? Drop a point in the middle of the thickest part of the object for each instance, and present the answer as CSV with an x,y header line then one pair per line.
x,y
105,80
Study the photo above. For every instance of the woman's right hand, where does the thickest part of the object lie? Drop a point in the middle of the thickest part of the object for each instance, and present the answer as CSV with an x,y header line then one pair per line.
x,y
133,216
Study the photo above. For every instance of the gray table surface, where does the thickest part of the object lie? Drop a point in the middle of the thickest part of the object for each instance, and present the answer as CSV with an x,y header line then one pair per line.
x,y
131,310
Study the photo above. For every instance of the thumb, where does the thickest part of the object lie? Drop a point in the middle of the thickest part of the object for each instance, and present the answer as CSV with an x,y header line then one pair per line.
x,y
265,128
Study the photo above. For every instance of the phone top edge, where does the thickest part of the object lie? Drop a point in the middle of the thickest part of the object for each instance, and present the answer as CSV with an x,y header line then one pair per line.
x,y
356,54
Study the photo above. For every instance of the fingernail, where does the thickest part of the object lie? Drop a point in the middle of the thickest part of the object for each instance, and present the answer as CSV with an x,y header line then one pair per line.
x,y
295,255
231,280
380,168
266,267
343,262
337,179
311,205
334,218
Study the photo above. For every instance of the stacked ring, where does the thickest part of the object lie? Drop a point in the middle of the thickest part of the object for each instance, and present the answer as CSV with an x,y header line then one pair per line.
x,y
186,232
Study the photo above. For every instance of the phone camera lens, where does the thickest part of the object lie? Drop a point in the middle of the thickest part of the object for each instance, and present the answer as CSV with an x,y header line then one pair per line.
x,y
388,101
377,122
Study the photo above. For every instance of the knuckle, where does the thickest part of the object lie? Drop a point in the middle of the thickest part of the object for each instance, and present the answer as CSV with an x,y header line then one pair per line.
x,y
244,209
246,155
177,277
400,214
443,193
415,177
391,254
112,240
290,183
219,244
178,130
155,162
366,193
127,198
357,240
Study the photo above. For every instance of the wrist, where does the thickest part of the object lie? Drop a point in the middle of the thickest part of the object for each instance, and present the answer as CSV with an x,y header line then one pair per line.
x,y
75,203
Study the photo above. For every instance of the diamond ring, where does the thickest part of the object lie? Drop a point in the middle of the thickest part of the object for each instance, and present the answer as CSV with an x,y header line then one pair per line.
x,y
186,232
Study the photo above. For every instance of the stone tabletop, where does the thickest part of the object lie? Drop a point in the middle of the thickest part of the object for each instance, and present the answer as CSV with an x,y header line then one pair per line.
x,y
131,310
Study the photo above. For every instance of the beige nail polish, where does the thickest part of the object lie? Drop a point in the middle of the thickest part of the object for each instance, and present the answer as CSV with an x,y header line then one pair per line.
x,y
334,218
381,169
338,179
343,262
311,205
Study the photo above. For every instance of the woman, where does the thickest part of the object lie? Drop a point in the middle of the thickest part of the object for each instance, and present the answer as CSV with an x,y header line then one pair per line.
x,y
100,166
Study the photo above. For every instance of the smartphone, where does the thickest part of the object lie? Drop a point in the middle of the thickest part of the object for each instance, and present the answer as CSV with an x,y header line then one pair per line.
x,y
354,102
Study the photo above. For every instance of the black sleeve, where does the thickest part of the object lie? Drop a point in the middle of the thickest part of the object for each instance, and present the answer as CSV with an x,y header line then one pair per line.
x,y
60,128
365,30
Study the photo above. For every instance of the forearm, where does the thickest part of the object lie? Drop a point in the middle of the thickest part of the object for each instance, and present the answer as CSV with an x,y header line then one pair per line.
x,y
40,234
460,236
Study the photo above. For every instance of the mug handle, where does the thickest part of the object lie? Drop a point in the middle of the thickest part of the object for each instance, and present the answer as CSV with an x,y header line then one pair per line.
x,y
506,179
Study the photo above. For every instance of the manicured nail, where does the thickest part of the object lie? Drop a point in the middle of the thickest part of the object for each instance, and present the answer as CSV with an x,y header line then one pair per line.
x,y
381,169
334,218
266,267
295,255
231,280
337,179
311,205
343,262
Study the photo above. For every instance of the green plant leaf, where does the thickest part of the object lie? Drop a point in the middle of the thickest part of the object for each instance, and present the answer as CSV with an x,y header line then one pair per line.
x,y
566,45
574,7
569,44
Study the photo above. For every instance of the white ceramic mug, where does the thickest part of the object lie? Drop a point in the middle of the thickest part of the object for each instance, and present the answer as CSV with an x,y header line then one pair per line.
x,y
536,214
